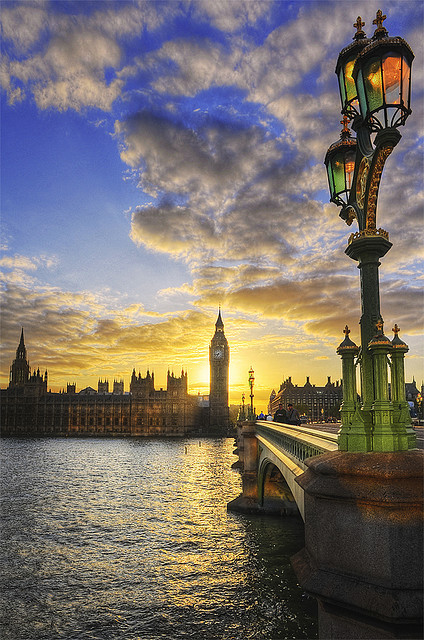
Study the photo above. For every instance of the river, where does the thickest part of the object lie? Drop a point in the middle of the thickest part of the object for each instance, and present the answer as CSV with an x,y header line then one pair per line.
x,y
130,539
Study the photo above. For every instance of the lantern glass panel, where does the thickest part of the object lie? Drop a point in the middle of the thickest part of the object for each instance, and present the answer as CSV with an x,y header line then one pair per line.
x,y
349,168
406,75
350,83
361,93
338,172
342,87
373,84
392,73
330,179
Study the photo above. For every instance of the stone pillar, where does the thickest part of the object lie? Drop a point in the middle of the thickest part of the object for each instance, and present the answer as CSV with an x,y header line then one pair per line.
x,y
402,424
364,544
250,462
352,435
247,502
384,438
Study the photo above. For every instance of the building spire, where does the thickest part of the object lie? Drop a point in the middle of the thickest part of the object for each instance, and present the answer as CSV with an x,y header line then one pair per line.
x,y
219,325
21,350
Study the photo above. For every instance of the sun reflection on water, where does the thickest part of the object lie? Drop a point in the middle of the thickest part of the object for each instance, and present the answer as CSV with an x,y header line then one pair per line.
x,y
125,539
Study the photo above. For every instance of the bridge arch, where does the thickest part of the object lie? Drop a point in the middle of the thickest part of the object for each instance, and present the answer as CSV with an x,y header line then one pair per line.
x,y
270,484
274,493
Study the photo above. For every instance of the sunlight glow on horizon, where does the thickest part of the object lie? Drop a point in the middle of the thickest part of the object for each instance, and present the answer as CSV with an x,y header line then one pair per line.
x,y
164,159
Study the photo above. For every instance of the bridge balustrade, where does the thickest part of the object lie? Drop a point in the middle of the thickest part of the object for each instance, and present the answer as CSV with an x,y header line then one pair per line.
x,y
298,442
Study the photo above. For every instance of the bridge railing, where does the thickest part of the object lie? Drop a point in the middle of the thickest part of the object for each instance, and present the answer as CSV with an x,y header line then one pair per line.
x,y
298,442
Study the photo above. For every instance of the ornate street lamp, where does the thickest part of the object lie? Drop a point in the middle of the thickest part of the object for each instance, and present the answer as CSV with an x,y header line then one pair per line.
x,y
251,381
374,81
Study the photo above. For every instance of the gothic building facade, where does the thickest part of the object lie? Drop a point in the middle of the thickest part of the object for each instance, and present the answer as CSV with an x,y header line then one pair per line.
x,y
318,403
28,408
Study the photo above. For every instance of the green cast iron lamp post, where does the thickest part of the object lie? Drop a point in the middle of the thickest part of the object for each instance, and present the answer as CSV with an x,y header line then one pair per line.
x,y
251,381
374,77
242,414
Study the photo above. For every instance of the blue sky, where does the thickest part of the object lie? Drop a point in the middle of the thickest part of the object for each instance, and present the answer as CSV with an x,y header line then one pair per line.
x,y
162,158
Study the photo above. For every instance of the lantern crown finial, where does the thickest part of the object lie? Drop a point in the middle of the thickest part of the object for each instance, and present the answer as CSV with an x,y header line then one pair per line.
x,y
396,329
381,31
358,26
345,133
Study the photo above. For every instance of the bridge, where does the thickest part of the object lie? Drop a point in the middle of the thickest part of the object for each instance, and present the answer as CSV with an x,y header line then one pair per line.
x,y
363,516
280,458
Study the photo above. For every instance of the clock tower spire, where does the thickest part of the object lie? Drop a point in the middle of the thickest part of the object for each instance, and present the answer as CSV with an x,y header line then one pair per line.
x,y
219,359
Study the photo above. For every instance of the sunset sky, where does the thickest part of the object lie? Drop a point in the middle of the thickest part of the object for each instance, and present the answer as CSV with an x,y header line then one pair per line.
x,y
160,159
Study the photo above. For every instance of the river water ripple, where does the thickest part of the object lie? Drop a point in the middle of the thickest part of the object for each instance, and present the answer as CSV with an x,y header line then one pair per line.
x,y
129,539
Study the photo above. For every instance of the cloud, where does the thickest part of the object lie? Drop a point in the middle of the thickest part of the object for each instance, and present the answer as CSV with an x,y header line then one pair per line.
x,y
20,269
319,306
177,158
18,262
24,23
87,334
64,58
173,230
231,15
199,65
232,179
70,73
237,184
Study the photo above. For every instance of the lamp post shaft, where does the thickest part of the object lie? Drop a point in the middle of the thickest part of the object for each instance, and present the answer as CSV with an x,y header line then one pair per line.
x,y
367,251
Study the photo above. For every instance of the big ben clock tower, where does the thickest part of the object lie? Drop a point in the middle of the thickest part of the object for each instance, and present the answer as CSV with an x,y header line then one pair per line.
x,y
219,358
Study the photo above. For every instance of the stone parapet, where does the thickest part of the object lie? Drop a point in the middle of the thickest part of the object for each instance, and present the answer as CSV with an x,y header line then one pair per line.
x,y
364,543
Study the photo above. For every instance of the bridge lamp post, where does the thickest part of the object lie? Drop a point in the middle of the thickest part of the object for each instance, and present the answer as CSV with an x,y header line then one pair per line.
x,y
251,382
242,409
375,84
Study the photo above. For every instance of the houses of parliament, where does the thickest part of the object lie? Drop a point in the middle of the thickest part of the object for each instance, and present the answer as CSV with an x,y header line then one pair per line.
x,y
29,409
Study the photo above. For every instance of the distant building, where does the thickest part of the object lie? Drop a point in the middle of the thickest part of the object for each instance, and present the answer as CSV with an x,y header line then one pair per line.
x,y
21,379
28,409
118,387
103,386
412,391
318,403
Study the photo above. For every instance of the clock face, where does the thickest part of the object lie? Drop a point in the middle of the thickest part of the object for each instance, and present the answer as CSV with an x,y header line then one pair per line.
x,y
218,353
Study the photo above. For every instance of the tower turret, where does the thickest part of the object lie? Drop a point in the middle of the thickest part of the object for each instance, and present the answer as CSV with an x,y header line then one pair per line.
x,y
19,371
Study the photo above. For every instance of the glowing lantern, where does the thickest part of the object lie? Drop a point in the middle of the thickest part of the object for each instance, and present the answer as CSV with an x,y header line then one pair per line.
x,y
340,163
382,75
344,69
